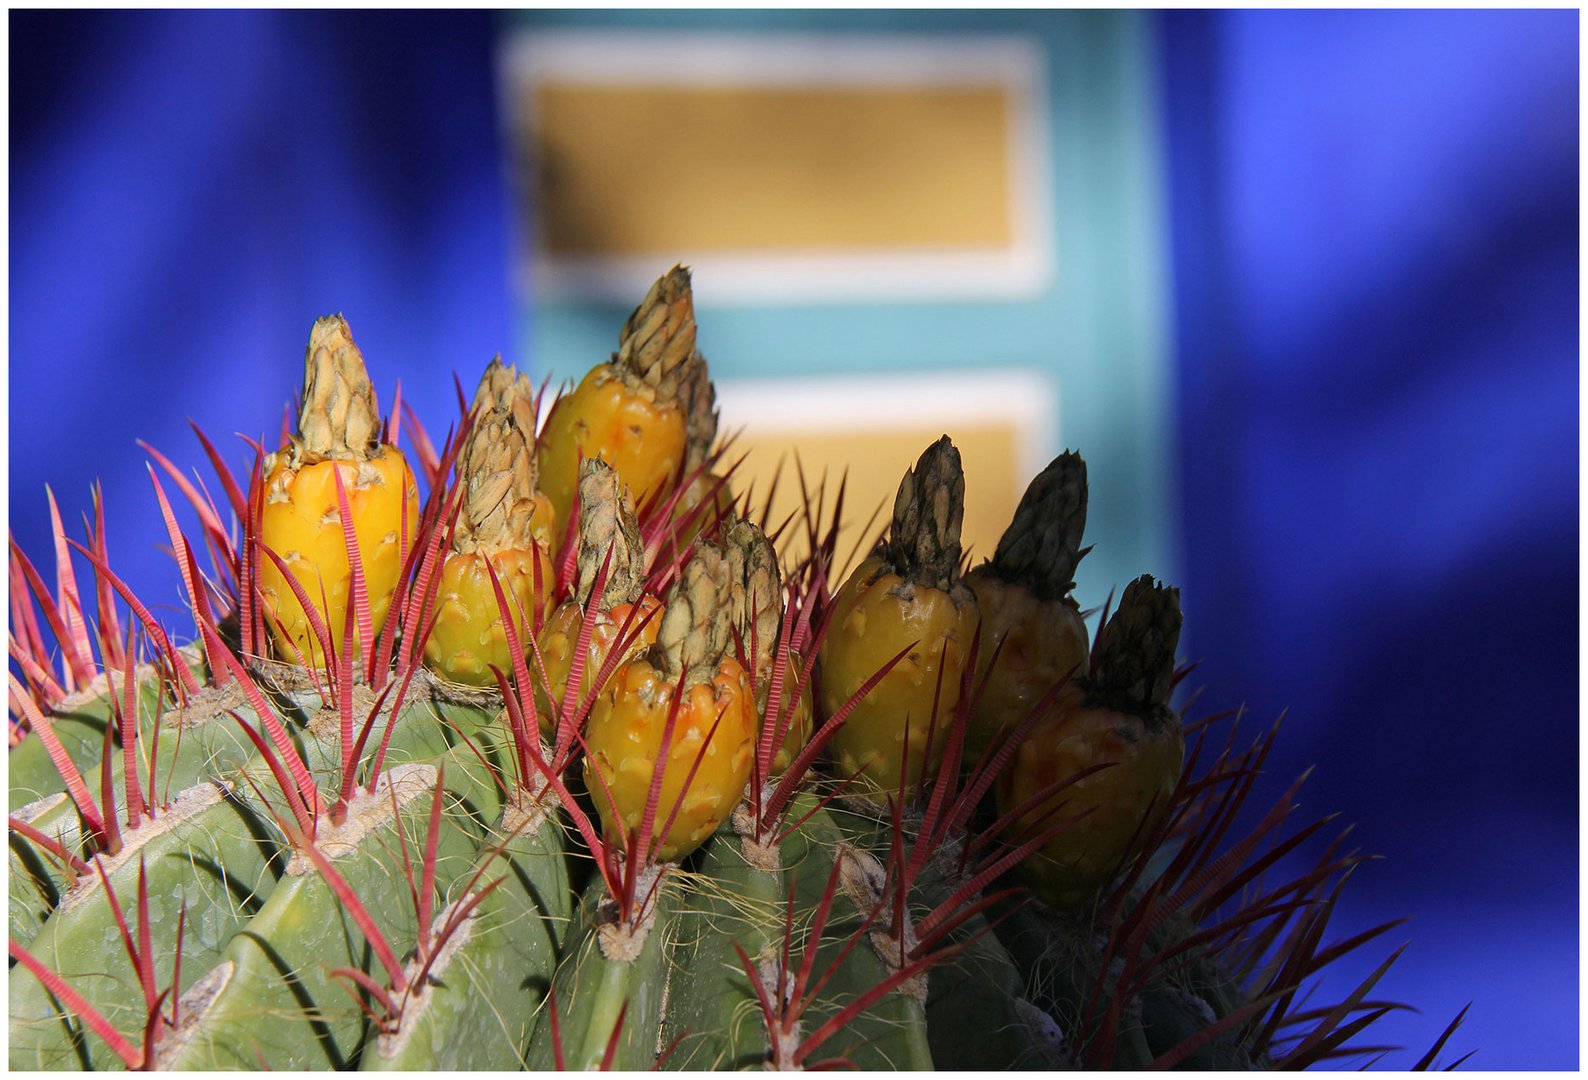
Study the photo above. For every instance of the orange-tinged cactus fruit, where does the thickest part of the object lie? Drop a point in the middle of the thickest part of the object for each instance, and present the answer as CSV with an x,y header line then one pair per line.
x,y
637,434
705,766
907,595
1114,808
505,522
1118,719
558,639
300,514
1032,634
624,741
1043,643
629,412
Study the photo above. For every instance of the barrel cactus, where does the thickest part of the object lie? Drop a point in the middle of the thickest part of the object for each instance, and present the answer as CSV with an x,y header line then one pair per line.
x,y
566,766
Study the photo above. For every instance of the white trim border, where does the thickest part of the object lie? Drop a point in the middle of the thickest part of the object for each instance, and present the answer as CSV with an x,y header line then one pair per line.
x,y
1026,398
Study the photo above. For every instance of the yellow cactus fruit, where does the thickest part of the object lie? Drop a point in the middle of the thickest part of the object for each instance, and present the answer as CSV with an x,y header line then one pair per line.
x,y
300,515
608,535
908,594
707,762
1032,634
505,521
629,411
1120,719
757,606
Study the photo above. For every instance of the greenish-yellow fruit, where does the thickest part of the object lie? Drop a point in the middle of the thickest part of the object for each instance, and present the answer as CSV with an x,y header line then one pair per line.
x,y
906,596
504,521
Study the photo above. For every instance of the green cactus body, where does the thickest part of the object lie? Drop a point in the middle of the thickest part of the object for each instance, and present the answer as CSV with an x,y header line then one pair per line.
x,y
479,1006
192,745
610,980
209,853
33,774
891,1033
276,1004
197,745
1060,962
259,956
190,750
712,1010
977,1013
741,899
79,722
35,883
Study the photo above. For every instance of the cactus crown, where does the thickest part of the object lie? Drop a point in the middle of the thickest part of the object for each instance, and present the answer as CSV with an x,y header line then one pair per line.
x,y
607,524
696,623
659,336
496,464
1042,545
339,418
923,545
1191,957
1134,671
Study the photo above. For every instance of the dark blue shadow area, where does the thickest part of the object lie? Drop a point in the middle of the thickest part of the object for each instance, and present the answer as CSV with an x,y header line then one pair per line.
x,y
1375,222
189,190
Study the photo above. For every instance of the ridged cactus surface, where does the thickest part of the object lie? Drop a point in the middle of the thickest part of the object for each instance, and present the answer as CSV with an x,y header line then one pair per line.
x,y
566,766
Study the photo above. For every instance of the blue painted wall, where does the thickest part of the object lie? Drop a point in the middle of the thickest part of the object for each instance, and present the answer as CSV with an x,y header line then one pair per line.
x,y
189,190
1376,263
1371,482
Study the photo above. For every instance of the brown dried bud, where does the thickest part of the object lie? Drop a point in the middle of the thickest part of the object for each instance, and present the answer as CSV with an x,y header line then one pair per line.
x,y
659,336
1135,667
923,545
699,398
1042,545
340,418
757,593
496,464
607,524
695,623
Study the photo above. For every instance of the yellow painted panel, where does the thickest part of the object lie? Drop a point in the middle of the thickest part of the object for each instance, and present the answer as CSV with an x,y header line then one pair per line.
x,y
645,170
876,461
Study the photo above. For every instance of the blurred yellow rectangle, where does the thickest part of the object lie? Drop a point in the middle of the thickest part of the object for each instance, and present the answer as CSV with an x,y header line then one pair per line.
x,y
871,464
868,431
655,169
793,167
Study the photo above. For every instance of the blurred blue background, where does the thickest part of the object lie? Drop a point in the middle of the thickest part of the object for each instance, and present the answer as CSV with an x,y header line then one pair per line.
x,y
1367,479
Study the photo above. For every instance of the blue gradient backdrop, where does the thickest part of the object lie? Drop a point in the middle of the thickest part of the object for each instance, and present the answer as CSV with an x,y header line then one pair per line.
x,y
1374,237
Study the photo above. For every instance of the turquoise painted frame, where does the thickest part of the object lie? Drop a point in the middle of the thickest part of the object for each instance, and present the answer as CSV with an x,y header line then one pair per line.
x,y
1100,329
